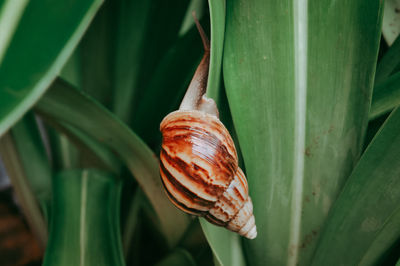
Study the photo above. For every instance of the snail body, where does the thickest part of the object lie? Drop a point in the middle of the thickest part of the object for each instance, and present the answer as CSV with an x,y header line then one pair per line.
x,y
199,164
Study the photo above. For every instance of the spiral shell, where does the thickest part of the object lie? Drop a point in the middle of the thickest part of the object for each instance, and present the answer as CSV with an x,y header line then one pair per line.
x,y
199,170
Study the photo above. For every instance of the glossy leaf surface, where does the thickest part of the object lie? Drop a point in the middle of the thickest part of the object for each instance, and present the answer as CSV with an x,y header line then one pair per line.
x,y
27,70
299,80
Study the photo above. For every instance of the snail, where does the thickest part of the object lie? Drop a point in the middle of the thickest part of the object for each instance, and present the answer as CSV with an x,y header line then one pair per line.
x,y
198,160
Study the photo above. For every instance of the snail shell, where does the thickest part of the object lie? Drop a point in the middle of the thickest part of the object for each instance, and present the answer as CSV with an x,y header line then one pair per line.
x,y
199,170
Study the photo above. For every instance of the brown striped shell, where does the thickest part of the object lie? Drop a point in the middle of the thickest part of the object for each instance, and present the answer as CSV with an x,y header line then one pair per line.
x,y
199,170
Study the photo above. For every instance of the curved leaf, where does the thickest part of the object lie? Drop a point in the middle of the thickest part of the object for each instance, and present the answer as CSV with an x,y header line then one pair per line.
x,y
33,155
389,62
66,105
10,14
386,96
27,70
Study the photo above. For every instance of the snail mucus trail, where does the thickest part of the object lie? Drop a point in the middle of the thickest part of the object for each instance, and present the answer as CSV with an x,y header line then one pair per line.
x,y
198,159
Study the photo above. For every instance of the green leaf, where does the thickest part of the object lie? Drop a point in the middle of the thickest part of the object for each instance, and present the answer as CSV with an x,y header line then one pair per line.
x,y
133,20
26,198
368,203
96,51
132,221
34,158
75,149
62,103
167,87
177,258
145,33
299,93
391,21
386,96
217,16
197,6
85,220
37,51
10,14
226,246
93,153
65,154
388,63
72,70
385,239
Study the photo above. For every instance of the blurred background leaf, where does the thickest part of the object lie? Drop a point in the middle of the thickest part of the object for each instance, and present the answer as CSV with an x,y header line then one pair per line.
x,y
23,190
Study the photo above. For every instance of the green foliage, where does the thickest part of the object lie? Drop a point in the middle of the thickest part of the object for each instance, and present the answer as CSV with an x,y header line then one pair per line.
x,y
294,81
79,228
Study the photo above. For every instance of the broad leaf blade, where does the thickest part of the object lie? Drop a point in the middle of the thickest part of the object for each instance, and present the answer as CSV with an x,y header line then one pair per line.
x,y
299,93
27,70
367,203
